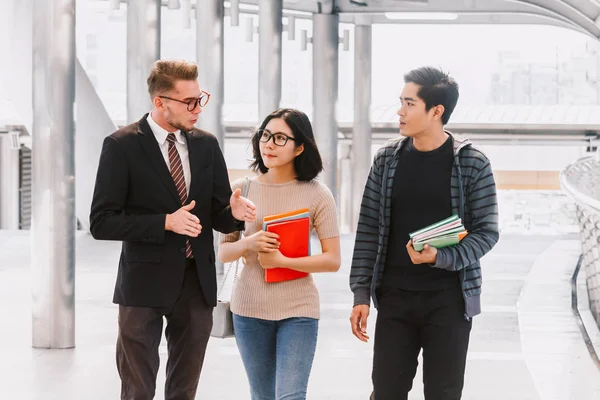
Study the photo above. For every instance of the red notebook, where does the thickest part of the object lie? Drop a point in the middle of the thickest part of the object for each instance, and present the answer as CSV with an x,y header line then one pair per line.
x,y
294,242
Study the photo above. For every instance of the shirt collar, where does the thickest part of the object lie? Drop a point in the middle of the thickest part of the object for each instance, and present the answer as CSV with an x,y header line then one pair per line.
x,y
161,134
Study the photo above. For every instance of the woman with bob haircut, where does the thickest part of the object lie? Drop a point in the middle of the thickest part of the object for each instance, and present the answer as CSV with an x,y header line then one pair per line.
x,y
276,324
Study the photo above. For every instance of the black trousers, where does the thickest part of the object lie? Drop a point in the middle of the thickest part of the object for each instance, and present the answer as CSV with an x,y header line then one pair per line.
x,y
409,321
189,323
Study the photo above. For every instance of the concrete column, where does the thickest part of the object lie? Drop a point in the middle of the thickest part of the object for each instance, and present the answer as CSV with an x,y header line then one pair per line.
x,y
361,131
9,181
209,55
325,94
270,30
53,167
210,16
143,49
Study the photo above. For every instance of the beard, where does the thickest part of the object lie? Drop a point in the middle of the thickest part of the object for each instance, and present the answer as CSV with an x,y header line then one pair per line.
x,y
179,125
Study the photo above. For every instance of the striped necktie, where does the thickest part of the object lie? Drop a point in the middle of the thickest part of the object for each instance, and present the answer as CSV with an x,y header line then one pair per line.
x,y
179,179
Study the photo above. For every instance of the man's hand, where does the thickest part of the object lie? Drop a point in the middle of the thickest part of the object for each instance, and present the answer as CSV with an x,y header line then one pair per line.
x,y
358,321
427,256
242,208
184,222
270,260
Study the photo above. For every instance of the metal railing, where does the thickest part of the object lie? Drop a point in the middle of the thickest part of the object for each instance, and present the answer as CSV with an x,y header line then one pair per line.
x,y
581,182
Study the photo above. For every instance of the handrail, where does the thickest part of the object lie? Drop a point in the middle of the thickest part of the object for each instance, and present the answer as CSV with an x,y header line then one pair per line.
x,y
581,181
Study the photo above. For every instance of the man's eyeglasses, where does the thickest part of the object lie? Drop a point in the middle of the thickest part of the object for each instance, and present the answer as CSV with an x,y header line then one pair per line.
x,y
279,139
193,103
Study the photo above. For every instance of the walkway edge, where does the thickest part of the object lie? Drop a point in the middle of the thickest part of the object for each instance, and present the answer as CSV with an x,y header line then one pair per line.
x,y
585,320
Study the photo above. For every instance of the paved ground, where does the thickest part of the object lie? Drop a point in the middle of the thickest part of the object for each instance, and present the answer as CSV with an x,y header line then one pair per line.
x,y
525,346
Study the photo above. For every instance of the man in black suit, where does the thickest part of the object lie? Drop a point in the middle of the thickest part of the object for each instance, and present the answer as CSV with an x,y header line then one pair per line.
x,y
161,189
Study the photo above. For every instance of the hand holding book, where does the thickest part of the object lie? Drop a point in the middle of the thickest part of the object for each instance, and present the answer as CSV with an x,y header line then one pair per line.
x,y
444,233
426,256
293,230
262,241
271,259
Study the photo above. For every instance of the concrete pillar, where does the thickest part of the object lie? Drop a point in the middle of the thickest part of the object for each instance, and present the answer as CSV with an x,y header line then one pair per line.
x,y
210,16
361,131
325,94
209,55
53,167
270,30
143,49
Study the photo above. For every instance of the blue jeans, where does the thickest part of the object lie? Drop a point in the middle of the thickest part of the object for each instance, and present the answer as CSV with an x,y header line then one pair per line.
x,y
277,355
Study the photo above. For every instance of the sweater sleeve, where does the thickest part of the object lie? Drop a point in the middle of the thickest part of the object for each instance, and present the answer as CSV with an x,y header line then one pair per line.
x,y
324,213
482,203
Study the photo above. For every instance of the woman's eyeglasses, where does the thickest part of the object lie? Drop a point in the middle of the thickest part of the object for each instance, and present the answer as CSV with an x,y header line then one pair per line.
x,y
279,139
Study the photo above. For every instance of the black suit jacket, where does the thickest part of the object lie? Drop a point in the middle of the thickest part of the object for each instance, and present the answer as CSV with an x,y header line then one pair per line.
x,y
134,192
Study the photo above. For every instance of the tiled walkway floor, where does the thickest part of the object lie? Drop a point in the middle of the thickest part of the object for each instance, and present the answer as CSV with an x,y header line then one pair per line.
x,y
525,346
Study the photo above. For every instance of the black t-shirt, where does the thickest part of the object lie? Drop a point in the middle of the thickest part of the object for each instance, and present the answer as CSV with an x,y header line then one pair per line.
x,y
420,197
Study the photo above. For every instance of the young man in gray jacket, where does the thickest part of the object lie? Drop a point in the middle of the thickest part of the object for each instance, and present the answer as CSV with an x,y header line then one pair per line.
x,y
425,300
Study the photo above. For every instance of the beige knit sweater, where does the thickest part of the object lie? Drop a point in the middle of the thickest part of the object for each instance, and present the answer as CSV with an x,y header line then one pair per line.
x,y
252,296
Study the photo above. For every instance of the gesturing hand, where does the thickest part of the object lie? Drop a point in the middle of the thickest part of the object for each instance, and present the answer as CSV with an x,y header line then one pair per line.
x,y
184,222
242,208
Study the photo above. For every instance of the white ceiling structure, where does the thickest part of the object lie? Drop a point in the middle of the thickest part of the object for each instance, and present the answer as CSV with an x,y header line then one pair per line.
x,y
579,15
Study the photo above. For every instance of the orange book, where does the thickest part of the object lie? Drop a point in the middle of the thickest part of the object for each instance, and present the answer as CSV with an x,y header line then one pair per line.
x,y
285,215
294,239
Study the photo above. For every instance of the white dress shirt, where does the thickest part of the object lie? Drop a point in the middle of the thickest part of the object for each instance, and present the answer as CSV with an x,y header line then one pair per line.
x,y
160,135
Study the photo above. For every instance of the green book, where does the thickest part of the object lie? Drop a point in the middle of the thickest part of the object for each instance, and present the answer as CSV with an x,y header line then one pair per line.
x,y
441,241
444,233
436,225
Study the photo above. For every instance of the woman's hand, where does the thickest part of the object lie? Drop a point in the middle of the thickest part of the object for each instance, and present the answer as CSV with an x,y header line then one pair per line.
x,y
262,241
273,259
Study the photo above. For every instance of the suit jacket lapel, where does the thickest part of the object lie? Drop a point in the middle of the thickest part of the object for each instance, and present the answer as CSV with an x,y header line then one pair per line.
x,y
152,150
193,158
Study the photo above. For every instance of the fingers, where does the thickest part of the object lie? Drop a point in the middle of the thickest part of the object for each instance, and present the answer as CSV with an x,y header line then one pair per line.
x,y
249,204
357,330
271,241
268,242
411,252
190,206
250,214
193,227
190,217
364,314
190,232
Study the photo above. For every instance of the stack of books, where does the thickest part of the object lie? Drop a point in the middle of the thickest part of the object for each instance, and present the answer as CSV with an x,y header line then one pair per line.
x,y
447,232
293,229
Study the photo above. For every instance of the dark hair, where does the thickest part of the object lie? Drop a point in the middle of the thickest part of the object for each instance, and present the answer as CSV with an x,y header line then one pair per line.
x,y
437,88
307,164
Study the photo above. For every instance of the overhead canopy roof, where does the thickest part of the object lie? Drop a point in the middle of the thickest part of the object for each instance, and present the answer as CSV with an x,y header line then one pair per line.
x,y
579,15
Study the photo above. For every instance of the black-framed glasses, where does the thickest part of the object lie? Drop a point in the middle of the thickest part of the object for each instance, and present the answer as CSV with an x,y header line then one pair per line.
x,y
193,103
279,139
